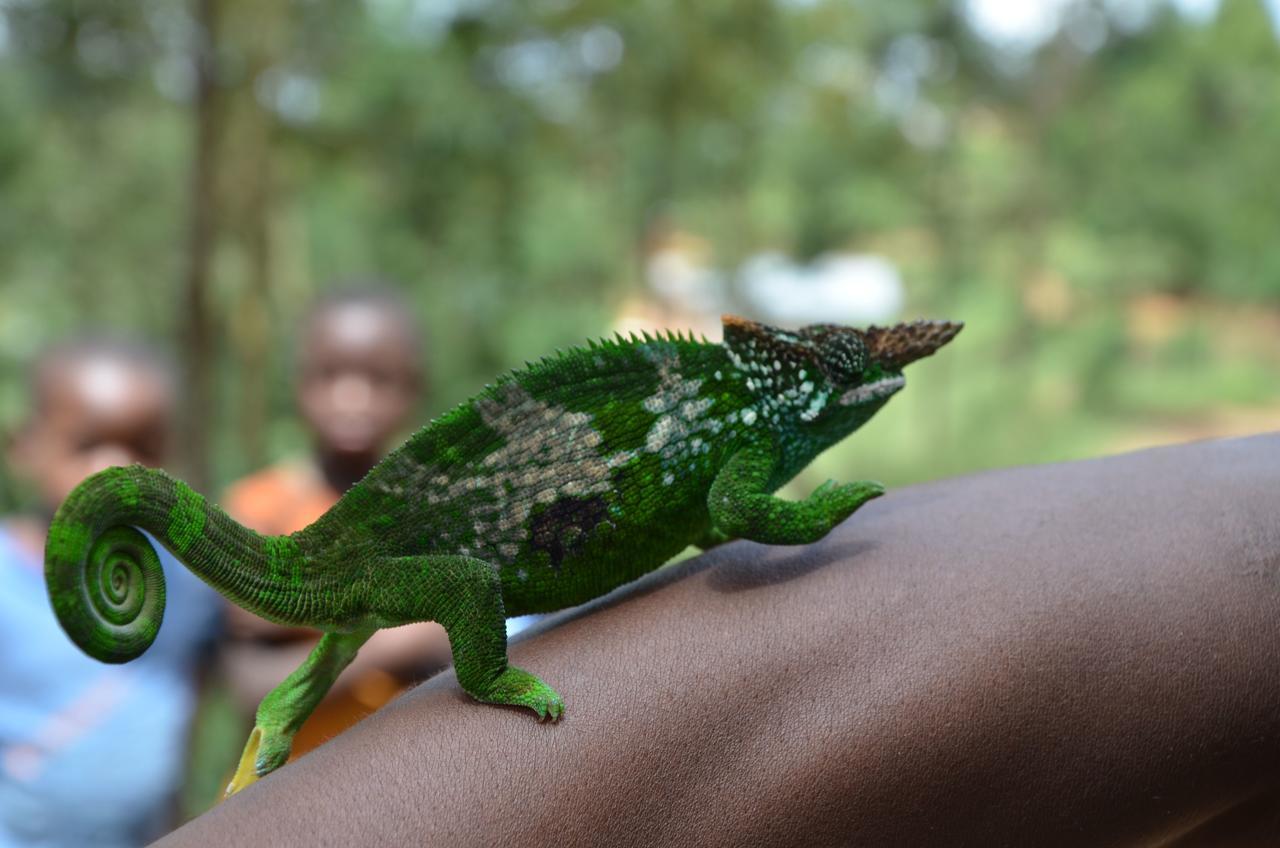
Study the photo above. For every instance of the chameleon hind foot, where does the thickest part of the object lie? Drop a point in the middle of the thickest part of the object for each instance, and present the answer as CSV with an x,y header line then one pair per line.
x,y
464,594
518,688
287,706
265,752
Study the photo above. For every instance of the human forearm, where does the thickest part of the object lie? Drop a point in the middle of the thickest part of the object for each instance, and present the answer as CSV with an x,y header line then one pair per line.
x,y
1076,654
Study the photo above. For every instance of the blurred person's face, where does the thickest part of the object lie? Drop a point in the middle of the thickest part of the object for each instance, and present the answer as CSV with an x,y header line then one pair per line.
x,y
93,413
359,379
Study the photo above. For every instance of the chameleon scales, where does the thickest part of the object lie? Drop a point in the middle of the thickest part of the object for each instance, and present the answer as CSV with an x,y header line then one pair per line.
x,y
554,485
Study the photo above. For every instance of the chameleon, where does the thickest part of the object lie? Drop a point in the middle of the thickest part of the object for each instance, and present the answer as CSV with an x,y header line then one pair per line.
x,y
554,485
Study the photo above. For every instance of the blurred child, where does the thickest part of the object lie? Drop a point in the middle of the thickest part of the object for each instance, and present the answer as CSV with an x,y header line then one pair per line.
x,y
90,754
359,383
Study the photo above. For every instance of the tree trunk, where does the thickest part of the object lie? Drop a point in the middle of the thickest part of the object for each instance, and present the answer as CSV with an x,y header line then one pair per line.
x,y
196,343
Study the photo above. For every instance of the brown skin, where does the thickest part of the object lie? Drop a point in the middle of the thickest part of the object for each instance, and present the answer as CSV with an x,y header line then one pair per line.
x,y
90,412
1079,654
359,381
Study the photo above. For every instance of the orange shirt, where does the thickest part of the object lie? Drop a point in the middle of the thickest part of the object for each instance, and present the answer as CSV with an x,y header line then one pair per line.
x,y
281,499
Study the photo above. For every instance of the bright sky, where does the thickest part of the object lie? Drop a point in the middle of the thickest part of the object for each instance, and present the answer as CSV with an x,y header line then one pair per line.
x,y
1027,23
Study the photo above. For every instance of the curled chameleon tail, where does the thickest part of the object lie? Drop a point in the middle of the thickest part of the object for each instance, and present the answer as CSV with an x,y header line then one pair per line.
x,y
104,577
108,590
112,607
105,580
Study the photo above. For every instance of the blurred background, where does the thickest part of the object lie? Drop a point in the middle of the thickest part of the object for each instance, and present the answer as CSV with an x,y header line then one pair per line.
x,y
1091,185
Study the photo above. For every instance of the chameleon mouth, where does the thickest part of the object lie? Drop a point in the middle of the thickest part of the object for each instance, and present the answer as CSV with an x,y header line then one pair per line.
x,y
878,390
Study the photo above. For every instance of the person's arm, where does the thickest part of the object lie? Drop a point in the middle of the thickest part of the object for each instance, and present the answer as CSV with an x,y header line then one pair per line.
x,y
1080,654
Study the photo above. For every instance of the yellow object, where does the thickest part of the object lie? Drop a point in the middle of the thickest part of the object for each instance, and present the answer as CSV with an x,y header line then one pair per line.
x,y
245,772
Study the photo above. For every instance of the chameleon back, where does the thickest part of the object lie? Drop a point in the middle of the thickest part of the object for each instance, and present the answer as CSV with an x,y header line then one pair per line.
x,y
572,476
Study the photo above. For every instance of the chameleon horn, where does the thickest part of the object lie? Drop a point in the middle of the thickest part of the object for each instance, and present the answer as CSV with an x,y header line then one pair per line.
x,y
903,344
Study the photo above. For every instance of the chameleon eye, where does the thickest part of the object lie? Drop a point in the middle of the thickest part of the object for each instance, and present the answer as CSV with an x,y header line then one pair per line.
x,y
843,357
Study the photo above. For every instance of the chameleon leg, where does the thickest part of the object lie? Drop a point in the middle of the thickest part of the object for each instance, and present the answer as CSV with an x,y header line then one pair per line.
x,y
287,706
741,505
465,596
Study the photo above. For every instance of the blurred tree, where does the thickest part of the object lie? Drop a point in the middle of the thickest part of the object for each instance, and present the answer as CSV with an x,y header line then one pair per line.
x,y
508,163
198,352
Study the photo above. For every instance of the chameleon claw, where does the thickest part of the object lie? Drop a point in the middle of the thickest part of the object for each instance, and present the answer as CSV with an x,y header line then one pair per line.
x,y
825,489
265,752
519,688
246,772
871,489
550,712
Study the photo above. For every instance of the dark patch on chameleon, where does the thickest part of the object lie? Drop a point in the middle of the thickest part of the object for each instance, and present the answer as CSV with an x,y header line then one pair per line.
x,y
562,527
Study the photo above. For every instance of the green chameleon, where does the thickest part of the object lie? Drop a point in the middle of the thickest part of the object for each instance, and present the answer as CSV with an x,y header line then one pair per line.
x,y
554,485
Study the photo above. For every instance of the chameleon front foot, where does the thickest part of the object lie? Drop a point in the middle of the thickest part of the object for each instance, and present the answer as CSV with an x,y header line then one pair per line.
x,y
840,500
518,688
263,753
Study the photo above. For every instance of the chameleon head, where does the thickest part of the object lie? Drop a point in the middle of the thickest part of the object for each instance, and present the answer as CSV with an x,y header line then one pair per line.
x,y
828,375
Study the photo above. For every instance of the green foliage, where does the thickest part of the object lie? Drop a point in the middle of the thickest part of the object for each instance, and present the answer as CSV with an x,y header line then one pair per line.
x,y
508,163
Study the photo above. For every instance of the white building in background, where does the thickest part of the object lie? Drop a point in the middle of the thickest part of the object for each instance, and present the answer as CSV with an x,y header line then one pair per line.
x,y
836,288
684,290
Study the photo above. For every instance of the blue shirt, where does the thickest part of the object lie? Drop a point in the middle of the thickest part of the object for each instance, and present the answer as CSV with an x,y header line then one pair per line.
x,y
90,753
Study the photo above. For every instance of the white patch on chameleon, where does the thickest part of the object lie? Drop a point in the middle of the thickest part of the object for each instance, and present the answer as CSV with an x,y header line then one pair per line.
x,y
547,452
620,458
660,433
573,487
676,434
692,409
873,391
672,389
816,405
